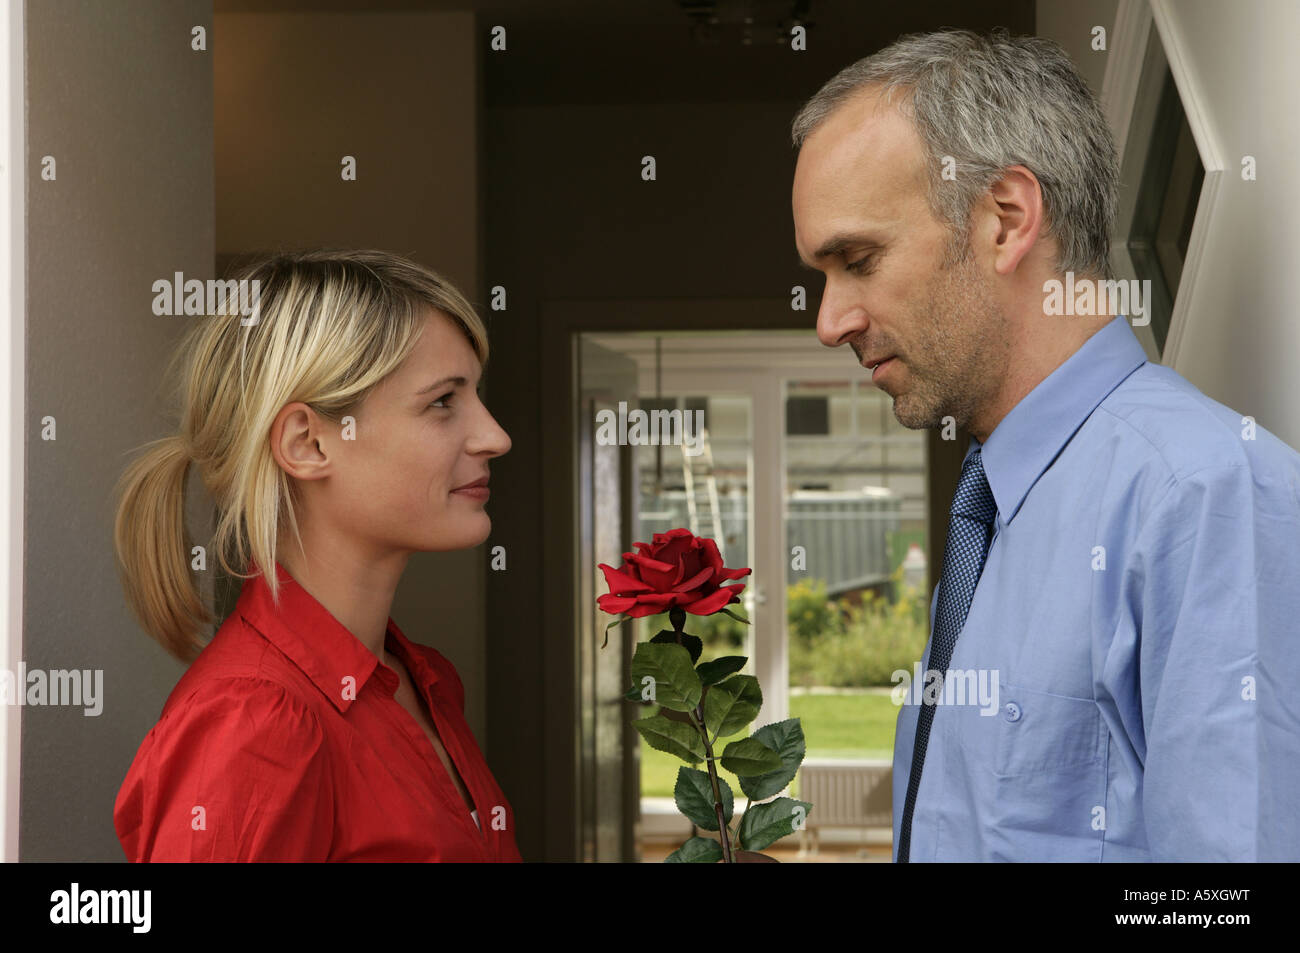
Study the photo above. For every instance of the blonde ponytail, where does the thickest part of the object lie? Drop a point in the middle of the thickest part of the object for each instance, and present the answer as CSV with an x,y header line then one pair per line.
x,y
153,548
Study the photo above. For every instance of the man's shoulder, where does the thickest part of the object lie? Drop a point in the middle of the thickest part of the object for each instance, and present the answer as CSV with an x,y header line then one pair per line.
x,y
1187,432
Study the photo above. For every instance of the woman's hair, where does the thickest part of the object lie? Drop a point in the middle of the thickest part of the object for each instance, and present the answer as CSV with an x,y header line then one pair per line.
x,y
327,326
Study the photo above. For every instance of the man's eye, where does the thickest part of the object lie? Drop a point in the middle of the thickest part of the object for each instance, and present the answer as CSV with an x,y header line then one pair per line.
x,y
860,267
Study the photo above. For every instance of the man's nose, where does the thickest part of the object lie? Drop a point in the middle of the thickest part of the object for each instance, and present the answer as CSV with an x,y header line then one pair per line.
x,y
838,320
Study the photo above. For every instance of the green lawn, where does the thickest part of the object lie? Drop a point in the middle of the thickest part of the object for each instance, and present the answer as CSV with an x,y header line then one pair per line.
x,y
834,726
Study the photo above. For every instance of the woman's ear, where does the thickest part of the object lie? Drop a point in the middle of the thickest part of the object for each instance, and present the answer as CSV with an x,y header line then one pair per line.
x,y
296,442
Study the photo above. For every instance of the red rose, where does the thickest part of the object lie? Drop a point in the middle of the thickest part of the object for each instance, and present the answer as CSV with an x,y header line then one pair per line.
x,y
677,570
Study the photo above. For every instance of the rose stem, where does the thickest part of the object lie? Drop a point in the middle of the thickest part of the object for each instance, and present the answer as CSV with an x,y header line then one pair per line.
x,y
678,619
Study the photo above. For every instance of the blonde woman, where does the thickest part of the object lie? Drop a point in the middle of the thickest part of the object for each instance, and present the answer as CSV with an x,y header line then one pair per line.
x,y
338,430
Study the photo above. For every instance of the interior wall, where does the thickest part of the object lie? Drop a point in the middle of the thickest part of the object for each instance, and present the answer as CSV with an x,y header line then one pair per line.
x,y
130,203
294,94
1071,24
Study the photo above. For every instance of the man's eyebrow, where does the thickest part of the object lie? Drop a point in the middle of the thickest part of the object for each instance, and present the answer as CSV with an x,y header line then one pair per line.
x,y
837,243
458,381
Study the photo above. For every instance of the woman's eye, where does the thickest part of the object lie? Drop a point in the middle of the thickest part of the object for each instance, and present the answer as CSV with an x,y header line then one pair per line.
x,y
444,401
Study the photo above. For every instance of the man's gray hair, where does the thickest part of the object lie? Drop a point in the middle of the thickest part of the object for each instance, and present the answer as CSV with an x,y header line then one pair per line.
x,y
991,102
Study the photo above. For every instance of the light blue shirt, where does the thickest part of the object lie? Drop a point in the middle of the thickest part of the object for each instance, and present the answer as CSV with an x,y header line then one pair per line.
x,y
1139,618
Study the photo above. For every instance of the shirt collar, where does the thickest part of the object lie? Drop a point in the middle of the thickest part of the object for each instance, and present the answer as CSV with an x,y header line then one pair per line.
x,y
1027,440
322,647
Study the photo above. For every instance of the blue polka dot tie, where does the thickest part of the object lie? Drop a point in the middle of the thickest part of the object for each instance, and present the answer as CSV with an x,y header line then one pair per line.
x,y
970,530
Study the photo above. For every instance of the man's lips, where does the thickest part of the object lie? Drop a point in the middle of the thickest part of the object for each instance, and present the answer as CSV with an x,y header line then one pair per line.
x,y
880,367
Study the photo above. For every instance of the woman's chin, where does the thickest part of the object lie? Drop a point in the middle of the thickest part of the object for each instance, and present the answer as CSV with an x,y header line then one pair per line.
x,y
467,534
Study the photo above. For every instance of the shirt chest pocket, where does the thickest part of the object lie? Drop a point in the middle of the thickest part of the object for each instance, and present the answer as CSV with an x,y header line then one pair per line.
x,y
1031,732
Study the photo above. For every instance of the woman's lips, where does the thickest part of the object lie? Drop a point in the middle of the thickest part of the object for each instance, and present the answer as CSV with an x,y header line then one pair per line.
x,y
480,493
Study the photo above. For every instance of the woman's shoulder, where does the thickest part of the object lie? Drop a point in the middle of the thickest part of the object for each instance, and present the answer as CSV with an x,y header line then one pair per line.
x,y
228,738
236,704
239,665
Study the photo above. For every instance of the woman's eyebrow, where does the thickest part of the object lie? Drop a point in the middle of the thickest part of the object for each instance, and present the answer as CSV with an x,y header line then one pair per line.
x,y
458,381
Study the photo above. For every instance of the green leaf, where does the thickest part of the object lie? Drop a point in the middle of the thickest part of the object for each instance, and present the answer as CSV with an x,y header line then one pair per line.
x,y
734,616
674,737
732,705
676,685
764,824
694,796
786,739
713,672
691,643
749,756
697,850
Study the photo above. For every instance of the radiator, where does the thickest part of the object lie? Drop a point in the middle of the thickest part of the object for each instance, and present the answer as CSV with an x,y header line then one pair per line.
x,y
856,793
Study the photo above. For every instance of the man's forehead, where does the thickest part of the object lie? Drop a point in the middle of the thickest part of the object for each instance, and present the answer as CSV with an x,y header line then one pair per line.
x,y
864,163
865,138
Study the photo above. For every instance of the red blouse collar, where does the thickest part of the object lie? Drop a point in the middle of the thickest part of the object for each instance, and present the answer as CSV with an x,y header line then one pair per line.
x,y
320,645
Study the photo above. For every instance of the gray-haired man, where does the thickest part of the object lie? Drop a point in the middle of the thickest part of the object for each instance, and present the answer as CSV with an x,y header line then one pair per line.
x,y
1121,548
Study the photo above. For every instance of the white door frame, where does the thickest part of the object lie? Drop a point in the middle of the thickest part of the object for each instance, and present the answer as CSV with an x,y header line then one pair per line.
x,y
13,381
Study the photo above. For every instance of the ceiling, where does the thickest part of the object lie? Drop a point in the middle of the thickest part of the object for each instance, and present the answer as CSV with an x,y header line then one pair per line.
x,y
624,51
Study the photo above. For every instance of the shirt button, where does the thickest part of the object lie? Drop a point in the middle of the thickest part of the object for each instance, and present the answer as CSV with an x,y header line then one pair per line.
x,y
1012,711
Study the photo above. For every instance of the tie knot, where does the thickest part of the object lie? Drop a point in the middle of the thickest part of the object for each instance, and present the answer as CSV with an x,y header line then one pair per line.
x,y
974,498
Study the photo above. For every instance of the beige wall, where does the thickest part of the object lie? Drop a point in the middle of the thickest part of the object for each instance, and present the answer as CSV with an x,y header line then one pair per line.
x,y
294,94
132,203
1070,23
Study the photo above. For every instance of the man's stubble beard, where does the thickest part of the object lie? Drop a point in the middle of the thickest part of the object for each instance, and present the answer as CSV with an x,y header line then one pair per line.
x,y
954,363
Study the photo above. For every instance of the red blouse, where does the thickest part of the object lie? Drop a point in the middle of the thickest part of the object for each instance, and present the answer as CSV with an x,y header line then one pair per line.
x,y
283,742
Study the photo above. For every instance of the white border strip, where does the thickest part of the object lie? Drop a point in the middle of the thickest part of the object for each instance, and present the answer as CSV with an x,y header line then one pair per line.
x,y
13,344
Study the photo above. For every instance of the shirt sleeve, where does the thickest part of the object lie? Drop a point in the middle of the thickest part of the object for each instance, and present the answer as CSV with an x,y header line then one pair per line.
x,y
237,772
1215,608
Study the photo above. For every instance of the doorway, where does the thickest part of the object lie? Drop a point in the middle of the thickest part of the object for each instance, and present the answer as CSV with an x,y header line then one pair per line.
x,y
800,473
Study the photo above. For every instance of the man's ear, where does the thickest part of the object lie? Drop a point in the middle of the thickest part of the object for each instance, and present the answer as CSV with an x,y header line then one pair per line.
x,y
1014,217
296,442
